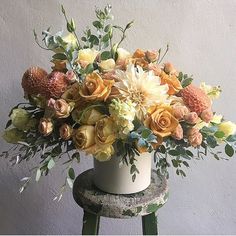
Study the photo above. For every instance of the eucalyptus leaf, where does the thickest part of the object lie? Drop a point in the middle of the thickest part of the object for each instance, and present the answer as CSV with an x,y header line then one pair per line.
x,y
105,55
229,150
71,173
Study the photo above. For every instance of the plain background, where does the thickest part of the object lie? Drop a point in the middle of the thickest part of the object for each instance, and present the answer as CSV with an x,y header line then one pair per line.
x,y
202,36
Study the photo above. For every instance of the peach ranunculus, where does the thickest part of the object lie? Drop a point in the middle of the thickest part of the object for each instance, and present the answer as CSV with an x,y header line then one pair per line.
x,y
96,88
207,115
105,131
160,120
180,111
191,118
194,137
45,126
65,131
84,137
172,81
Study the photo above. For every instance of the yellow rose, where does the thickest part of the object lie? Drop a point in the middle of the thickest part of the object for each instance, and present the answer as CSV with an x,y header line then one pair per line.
x,y
228,127
84,137
107,65
96,88
65,131
87,56
104,153
45,126
161,121
61,108
105,131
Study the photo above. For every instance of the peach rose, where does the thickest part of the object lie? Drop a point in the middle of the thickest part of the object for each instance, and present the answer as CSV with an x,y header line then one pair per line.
x,y
65,131
160,120
172,81
178,133
194,137
95,88
191,118
84,137
207,115
61,108
105,131
45,126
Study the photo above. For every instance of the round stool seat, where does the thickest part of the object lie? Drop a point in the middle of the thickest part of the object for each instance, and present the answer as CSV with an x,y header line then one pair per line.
x,y
100,203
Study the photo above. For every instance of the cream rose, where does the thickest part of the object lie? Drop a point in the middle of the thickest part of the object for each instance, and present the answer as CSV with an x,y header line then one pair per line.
x,y
96,88
105,153
107,65
45,126
87,56
84,137
228,127
161,121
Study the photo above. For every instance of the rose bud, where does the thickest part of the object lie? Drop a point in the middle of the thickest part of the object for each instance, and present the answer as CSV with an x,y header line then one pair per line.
x,y
45,126
66,131
178,133
180,111
207,115
194,137
191,118
151,55
169,68
107,65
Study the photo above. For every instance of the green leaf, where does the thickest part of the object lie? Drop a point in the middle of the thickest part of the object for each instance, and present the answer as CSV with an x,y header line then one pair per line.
x,y
173,153
132,169
72,24
231,138
186,82
38,174
185,163
129,25
182,173
229,150
97,24
76,156
71,173
107,28
8,124
51,164
105,55
133,177
83,39
211,129
106,38
211,141
59,56
189,153
146,133
94,39
89,69
69,27
219,134
175,163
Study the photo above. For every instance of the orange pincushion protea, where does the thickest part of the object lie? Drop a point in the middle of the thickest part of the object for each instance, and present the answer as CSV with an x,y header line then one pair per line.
x,y
32,80
54,85
195,99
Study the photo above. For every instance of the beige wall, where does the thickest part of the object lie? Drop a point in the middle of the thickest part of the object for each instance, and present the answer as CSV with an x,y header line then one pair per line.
x,y
202,36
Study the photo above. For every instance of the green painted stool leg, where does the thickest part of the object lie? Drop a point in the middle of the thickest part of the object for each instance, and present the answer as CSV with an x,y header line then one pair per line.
x,y
149,223
90,224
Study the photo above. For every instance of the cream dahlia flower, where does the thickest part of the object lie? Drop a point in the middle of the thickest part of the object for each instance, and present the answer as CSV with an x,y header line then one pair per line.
x,y
142,88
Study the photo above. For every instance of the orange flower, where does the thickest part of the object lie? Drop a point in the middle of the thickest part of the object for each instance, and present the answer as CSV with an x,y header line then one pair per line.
x,y
139,53
96,88
172,81
161,121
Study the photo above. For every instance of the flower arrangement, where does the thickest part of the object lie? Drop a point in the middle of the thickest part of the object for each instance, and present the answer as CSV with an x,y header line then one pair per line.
x,y
102,100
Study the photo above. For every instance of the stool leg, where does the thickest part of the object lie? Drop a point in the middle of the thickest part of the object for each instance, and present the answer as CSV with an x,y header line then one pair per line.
x,y
149,223
90,224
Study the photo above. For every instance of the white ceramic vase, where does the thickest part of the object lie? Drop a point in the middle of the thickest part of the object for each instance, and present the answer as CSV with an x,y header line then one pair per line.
x,y
110,177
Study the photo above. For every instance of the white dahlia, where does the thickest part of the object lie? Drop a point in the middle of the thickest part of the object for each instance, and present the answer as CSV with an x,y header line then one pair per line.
x,y
142,88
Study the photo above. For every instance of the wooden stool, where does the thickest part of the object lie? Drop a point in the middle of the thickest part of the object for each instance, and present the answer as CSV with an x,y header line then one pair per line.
x,y
97,203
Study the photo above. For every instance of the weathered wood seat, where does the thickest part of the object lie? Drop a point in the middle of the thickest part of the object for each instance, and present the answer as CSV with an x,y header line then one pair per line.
x,y
97,203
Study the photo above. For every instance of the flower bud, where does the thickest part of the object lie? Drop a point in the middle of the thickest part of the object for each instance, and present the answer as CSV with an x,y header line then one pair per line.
x,y
180,111
178,133
191,118
45,126
151,55
169,68
194,137
107,65
207,115
65,131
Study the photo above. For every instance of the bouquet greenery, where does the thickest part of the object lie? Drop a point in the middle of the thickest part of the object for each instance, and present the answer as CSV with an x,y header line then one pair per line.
x,y
104,101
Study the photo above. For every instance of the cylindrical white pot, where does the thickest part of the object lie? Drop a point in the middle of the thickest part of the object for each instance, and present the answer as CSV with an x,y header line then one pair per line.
x,y
110,177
